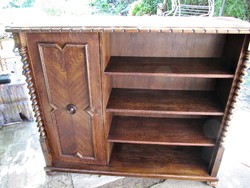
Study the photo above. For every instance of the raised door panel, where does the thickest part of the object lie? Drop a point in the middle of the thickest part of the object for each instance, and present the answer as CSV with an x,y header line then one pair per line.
x,y
70,74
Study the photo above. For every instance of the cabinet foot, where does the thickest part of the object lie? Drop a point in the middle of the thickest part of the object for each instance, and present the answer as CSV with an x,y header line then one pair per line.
x,y
212,183
51,173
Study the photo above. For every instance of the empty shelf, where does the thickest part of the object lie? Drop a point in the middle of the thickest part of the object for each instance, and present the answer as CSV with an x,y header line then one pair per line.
x,y
162,131
174,67
140,101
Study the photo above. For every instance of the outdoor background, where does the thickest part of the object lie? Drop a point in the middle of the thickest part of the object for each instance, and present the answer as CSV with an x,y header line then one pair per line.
x,y
13,11
235,8
19,144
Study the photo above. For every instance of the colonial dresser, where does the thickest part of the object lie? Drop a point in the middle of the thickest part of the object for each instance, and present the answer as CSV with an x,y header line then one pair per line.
x,y
134,96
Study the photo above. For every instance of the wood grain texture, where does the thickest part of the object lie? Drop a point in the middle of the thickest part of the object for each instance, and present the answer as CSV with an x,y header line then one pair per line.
x,y
164,102
162,83
166,45
159,115
150,161
75,130
202,25
217,161
240,72
162,131
170,160
32,91
45,141
171,67
106,89
164,105
231,56
61,60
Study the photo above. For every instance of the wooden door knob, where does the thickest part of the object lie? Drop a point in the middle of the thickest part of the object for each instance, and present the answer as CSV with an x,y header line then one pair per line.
x,y
71,109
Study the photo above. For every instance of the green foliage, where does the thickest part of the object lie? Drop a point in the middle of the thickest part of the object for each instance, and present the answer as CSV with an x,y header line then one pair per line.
x,y
142,7
123,7
17,3
194,2
65,7
113,7
234,8
53,8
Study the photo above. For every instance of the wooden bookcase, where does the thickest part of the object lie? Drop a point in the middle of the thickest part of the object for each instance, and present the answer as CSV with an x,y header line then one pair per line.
x,y
141,97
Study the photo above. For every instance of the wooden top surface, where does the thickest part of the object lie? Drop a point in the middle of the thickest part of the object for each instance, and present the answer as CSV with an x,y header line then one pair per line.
x,y
135,24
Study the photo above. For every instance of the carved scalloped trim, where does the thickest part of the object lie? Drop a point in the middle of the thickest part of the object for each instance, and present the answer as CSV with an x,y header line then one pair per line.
x,y
33,98
237,87
133,29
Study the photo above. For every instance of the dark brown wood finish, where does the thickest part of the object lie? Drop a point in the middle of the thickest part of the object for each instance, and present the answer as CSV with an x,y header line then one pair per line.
x,y
231,56
75,137
232,50
170,160
147,100
71,107
162,83
45,142
106,88
222,88
136,24
166,45
217,160
149,161
240,72
161,115
164,102
172,67
162,131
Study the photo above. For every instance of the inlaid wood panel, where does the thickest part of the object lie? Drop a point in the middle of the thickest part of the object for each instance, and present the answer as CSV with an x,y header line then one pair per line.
x,y
60,67
69,83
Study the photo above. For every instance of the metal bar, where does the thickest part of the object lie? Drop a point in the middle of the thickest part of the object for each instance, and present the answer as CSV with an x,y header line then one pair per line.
x,y
222,8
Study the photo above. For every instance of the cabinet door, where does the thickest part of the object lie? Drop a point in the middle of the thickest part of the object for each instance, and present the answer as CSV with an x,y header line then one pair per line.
x,y
67,76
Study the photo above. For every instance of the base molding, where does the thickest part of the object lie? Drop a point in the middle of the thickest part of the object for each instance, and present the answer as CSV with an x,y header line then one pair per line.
x,y
98,171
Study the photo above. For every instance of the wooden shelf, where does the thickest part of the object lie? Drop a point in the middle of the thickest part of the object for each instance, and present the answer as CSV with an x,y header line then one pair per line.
x,y
135,96
156,161
140,101
162,66
159,159
162,131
